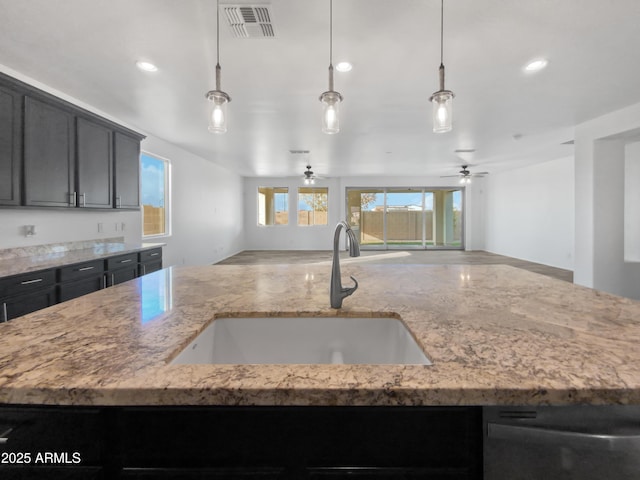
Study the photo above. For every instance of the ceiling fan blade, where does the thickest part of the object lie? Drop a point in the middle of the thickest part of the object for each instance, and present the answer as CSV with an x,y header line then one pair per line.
x,y
447,176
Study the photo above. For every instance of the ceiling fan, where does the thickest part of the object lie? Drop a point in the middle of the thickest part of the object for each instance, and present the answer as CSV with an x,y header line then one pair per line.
x,y
309,177
465,175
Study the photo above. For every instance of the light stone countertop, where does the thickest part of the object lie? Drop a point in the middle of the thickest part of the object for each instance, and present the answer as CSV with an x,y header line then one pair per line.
x,y
496,335
41,257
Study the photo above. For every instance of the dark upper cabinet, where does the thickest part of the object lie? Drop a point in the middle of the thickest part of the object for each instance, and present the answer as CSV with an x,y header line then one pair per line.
x,y
94,168
10,146
127,171
55,154
49,155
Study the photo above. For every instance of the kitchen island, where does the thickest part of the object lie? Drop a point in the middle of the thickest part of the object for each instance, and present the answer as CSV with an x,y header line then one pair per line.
x,y
495,334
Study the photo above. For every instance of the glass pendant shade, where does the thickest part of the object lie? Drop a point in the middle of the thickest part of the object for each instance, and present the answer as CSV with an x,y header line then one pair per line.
x,y
330,112
442,111
218,117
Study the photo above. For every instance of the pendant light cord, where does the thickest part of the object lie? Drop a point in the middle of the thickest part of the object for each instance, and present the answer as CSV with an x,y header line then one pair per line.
x,y
441,31
217,32
330,32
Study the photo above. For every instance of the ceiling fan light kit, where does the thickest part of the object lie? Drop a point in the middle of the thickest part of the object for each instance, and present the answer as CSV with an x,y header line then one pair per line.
x,y
309,178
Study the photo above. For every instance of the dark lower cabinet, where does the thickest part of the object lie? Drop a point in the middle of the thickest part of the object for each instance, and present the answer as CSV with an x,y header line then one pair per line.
x,y
70,290
150,261
52,443
19,305
26,293
201,474
80,279
283,443
303,442
121,269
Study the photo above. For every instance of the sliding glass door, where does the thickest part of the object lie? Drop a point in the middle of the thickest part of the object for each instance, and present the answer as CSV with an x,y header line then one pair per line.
x,y
406,218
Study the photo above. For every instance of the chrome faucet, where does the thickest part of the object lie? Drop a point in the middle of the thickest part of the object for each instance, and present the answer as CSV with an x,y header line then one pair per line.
x,y
338,292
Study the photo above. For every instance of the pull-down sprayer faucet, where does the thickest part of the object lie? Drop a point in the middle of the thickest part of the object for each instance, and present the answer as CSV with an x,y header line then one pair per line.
x,y
338,292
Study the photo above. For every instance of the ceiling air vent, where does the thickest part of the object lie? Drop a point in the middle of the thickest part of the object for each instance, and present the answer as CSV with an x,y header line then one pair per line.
x,y
248,21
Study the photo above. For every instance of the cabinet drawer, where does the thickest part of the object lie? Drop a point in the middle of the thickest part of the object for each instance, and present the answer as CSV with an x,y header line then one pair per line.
x,y
27,282
81,270
151,255
122,261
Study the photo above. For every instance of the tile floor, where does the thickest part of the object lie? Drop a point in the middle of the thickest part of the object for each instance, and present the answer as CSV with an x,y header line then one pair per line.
x,y
272,257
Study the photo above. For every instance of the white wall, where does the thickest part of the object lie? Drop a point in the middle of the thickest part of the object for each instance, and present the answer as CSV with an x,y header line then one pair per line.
x,y
602,148
207,207
530,213
293,237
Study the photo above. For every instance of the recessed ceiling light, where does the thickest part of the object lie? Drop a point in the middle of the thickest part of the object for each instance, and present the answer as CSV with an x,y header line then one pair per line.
x,y
344,66
536,65
146,66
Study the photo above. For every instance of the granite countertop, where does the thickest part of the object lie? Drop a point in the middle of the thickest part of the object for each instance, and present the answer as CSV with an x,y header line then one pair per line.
x,y
496,335
40,257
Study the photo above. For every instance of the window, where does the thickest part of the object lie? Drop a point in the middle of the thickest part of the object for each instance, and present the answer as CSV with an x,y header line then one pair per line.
x,y
154,183
406,218
273,206
313,206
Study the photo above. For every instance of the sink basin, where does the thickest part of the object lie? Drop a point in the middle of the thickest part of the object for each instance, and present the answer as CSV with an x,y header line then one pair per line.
x,y
304,340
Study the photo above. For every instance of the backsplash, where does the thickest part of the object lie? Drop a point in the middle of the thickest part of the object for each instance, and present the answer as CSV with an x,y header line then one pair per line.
x,y
36,250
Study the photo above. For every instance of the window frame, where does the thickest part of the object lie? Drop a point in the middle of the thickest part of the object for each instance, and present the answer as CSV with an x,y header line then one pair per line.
x,y
167,195
258,206
298,210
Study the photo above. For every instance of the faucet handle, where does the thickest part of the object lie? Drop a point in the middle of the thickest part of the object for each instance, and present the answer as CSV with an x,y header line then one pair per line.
x,y
349,290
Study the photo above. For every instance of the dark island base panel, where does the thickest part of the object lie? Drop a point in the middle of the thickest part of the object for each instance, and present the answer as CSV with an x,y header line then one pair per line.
x,y
242,443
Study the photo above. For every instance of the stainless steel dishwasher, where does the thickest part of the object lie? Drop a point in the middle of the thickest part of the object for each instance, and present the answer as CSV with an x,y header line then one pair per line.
x,y
558,443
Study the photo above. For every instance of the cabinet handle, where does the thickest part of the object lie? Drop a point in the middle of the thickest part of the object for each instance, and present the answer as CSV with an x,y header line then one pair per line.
x,y
27,282
125,261
5,316
104,281
84,199
4,433
73,201
113,279
84,269
154,254
144,269
118,201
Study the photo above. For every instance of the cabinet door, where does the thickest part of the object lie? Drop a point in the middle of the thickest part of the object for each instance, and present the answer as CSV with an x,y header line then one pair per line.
x,y
10,146
81,287
16,306
95,186
127,171
48,155
115,277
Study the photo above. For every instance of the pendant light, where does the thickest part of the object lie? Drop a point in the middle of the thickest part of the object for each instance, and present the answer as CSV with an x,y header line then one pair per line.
x,y
442,99
330,99
219,99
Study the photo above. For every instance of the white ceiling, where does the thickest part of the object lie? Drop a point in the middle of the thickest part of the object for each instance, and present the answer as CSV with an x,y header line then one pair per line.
x,y
87,49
